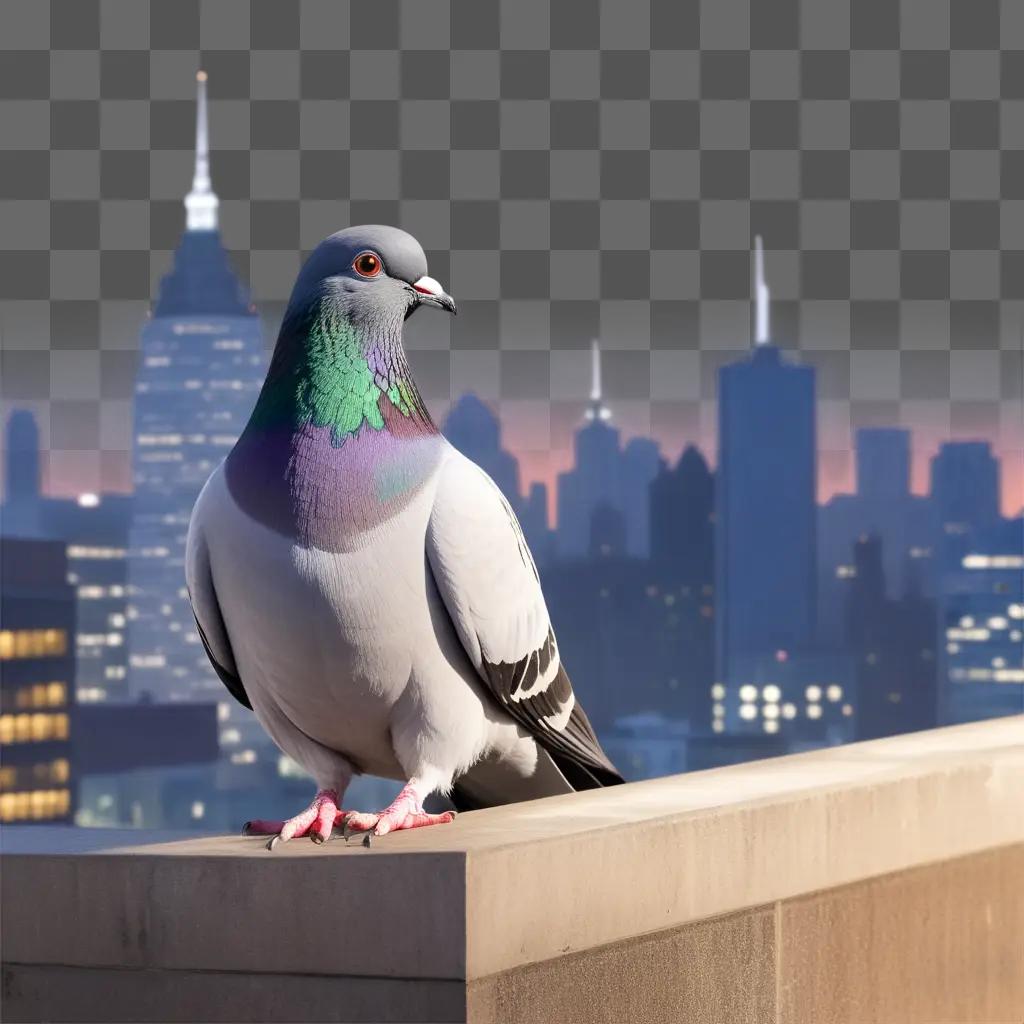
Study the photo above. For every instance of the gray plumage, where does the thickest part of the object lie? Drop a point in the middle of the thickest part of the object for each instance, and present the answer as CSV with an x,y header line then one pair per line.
x,y
365,588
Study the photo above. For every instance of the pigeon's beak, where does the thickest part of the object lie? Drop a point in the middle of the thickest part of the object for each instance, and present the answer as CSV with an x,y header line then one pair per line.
x,y
430,293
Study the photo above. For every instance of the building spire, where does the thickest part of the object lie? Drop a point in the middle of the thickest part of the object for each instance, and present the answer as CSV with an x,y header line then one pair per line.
x,y
762,296
201,203
597,409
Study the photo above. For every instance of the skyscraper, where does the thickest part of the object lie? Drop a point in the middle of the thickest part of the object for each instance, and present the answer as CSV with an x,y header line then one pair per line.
x,y
641,463
682,521
981,624
596,473
37,681
22,457
883,463
201,367
765,501
893,643
682,568
474,429
882,505
965,486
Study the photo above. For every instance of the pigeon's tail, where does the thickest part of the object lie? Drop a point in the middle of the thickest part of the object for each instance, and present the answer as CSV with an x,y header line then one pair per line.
x,y
492,783
586,776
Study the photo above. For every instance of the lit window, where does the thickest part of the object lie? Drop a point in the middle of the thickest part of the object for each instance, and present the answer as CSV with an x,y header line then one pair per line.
x,y
32,643
718,725
771,711
789,711
748,712
748,692
198,809
772,693
834,693
813,693
771,725
718,692
814,711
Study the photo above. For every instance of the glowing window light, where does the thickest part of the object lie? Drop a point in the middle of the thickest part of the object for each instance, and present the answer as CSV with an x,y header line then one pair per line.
x,y
967,622
993,562
198,809
748,712
771,725
718,725
771,711
813,693
789,711
977,633
814,711
1016,611
952,648
718,710
847,710
1009,675
834,693
772,693
718,691
748,692
999,663
997,622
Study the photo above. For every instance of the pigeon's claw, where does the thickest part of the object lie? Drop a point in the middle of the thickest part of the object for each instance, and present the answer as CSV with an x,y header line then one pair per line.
x,y
316,821
392,819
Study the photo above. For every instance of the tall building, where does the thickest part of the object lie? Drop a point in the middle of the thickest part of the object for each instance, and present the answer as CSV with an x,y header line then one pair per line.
x,y
22,457
765,502
964,494
37,679
893,643
682,570
596,473
475,431
884,506
981,624
682,509
201,367
94,528
533,519
883,463
641,463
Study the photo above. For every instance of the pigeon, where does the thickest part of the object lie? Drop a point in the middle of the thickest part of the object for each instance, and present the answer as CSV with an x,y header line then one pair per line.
x,y
364,587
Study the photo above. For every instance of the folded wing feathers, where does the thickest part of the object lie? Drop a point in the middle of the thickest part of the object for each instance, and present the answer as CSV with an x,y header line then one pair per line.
x,y
489,583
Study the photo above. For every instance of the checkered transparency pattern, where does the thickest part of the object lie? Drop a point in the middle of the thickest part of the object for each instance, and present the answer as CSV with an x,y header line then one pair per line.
x,y
575,168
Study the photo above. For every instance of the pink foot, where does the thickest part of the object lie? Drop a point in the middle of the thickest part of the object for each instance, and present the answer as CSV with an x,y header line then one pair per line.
x,y
316,821
406,811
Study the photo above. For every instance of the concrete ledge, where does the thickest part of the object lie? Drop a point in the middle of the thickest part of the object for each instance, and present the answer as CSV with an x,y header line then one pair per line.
x,y
749,891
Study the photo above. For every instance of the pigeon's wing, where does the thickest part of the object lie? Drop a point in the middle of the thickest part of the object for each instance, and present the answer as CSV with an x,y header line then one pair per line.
x,y
206,610
489,584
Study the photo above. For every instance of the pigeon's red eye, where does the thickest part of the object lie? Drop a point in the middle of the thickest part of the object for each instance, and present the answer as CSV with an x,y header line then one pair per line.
x,y
367,264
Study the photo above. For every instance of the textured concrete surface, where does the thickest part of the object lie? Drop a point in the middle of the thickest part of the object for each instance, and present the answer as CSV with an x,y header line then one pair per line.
x,y
531,898
702,973
943,942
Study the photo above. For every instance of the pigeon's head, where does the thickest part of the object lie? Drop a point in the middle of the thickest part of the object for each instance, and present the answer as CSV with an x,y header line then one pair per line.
x,y
373,271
